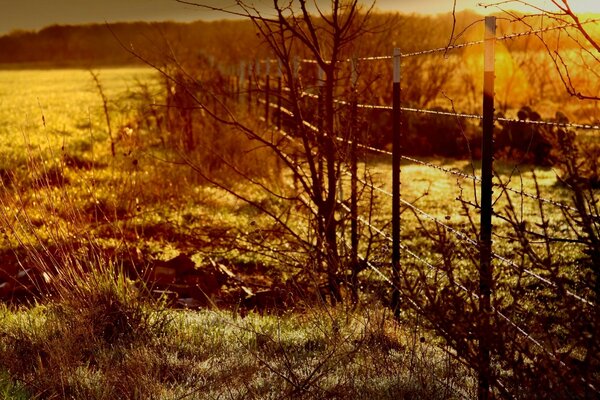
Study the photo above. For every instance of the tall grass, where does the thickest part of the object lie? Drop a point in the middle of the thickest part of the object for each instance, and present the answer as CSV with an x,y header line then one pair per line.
x,y
211,354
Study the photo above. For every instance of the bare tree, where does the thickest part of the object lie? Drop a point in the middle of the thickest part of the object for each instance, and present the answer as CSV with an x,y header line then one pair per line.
x,y
576,35
315,157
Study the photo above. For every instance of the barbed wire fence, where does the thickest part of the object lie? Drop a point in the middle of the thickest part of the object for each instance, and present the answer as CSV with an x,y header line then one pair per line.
x,y
496,319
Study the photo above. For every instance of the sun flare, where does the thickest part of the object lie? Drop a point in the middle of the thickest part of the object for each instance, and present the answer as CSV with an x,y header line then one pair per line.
x,y
577,6
488,6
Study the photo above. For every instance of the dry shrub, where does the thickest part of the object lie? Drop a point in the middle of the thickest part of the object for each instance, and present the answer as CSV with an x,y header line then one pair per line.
x,y
340,354
228,155
92,310
190,131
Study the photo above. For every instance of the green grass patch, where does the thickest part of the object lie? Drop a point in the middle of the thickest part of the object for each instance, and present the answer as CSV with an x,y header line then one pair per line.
x,y
329,353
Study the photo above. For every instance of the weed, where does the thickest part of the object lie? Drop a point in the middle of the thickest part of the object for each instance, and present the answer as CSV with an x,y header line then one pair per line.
x,y
91,310
9,390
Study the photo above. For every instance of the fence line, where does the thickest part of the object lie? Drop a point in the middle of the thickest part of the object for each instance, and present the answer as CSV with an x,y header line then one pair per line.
x,y
461,236
444,169
447,170
464,237
458,234
556,124
529,337
454,172
419,212
445,49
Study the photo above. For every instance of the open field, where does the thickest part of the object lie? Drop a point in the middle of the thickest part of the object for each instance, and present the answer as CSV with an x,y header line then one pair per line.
x,y
49,109
58,122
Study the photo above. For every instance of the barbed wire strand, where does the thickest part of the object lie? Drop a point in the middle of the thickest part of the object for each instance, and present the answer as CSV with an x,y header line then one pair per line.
x,y
556,124
519,329
464,237
447,170
500,38
535,197
445,49
550,123
574,125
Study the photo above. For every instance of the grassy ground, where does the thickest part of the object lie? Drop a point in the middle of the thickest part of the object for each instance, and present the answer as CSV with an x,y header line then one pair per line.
x,y
62,189
54,352
55,108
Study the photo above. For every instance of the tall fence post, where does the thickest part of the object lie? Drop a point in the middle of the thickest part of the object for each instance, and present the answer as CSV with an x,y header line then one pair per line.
x,y
485,236
354,176
257,73
293,85
396,156
279,93
250,73
267,89
240,81
320,119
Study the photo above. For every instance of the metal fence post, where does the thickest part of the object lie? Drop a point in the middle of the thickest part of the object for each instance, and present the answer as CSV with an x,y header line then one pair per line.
x,y
257,81
396,156
267,89
320,119
354,165
294,85
279,93
250,73
355,138
485,236
320,85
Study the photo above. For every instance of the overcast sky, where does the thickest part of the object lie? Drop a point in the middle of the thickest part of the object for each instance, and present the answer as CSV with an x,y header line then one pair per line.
x,y
35,14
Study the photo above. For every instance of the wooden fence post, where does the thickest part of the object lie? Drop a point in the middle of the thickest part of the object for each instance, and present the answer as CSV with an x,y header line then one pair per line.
x,y
396,157
485,236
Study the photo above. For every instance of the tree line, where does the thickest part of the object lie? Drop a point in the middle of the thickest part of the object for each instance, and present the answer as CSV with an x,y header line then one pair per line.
x,y
228,42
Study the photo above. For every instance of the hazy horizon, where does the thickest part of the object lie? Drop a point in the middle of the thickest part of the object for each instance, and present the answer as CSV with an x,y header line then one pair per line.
x,y
37,14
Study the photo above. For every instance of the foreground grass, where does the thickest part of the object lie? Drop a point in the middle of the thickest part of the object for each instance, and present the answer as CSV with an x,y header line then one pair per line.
x,y
46,352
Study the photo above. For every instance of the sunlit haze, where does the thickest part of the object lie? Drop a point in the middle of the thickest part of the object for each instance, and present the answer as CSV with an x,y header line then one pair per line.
x,y
35,14
440,6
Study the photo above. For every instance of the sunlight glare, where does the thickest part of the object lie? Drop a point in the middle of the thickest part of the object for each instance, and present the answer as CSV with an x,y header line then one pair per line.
x,y
577,6
485,6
